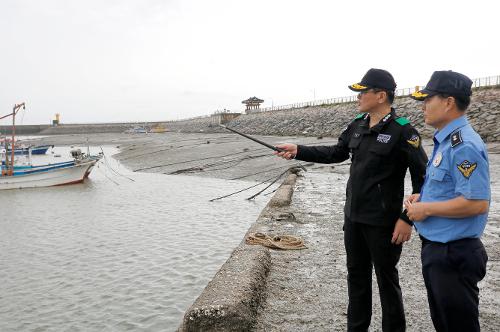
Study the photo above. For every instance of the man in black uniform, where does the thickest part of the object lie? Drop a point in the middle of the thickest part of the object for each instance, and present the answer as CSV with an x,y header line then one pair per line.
x,y
382,147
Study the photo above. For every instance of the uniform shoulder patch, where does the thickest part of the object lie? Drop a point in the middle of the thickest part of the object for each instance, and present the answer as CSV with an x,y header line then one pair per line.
x,y
466,168
414,141
456,139
402,121
359,116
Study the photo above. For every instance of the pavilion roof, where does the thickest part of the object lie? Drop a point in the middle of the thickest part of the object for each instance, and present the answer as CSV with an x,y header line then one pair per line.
x,y
252,100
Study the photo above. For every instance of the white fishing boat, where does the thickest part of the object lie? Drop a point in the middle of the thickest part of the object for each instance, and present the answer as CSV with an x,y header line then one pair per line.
x,y
44,176
28,176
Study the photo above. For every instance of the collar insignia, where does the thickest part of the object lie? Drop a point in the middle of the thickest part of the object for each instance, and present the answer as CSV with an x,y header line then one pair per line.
x,y
383,138
466,168
414,141
456,139
386,117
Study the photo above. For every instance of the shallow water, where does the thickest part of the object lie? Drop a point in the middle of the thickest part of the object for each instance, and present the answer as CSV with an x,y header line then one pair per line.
x,y
115,254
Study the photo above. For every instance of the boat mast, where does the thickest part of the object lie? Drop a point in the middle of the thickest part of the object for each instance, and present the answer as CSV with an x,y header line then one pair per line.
x,y
15,110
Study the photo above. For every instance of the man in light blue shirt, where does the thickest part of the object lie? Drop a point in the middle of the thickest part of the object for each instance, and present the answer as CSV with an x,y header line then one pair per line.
x,y
451,210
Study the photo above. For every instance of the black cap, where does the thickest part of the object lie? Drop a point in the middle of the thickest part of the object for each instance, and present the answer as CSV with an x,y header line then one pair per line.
x,y
375,79
446,82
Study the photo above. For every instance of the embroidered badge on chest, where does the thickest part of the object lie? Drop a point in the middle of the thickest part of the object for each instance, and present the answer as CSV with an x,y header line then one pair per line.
x,y
466,168
437,159
383,138
414,141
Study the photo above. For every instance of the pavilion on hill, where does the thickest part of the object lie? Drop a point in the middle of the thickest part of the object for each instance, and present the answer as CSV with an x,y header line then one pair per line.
x,y
252,103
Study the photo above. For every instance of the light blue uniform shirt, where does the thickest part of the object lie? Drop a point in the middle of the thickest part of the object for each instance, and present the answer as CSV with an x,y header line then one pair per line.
x,y
458,167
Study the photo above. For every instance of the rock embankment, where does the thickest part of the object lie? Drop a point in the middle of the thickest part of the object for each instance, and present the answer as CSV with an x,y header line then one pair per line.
x,y
331,120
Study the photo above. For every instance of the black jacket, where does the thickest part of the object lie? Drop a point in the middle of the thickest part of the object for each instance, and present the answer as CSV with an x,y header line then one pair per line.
x,y
380,157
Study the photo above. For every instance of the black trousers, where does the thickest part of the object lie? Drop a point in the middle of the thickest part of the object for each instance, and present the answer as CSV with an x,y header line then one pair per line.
x,y
370,246
451,273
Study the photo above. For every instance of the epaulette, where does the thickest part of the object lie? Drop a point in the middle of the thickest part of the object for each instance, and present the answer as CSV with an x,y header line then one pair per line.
x,y
402,121
359,116
456,139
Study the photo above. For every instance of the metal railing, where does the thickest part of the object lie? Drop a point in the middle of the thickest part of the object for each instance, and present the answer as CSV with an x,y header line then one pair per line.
x,y
477,82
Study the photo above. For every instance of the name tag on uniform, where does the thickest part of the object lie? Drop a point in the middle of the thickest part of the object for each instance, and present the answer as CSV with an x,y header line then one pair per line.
x,y
383,138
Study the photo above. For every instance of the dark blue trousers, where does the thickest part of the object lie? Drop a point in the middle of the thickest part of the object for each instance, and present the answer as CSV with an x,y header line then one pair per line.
x,y
369,247
451,273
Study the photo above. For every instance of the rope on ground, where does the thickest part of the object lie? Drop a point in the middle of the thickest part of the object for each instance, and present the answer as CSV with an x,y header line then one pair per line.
x,y
242,190
273,182
209,167
188,161
283,242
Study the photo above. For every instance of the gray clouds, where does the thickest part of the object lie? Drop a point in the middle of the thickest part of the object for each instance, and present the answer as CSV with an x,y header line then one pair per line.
x,y
134,60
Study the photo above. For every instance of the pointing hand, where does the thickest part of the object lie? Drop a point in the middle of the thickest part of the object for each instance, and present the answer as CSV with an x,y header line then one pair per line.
x,y
289,151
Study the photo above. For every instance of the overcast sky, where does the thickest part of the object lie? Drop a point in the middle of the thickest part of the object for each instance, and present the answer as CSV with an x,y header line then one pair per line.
x,y
153,60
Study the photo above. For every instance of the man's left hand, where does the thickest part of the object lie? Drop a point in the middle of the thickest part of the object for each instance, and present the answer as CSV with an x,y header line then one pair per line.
x,y
402,232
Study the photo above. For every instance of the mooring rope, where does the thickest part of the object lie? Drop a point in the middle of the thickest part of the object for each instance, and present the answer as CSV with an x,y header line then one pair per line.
x,y
108,165
242,190
273,182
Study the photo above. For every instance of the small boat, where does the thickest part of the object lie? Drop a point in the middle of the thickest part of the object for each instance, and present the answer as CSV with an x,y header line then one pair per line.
x,y
46,176
30,176
40,149
137,130
158,129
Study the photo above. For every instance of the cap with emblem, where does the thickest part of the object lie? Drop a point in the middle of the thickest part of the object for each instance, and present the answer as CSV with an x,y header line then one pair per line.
x,y
445,82
375,79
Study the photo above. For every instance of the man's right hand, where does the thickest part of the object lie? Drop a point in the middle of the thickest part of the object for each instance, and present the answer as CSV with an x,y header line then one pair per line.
x,y
289,151
411,199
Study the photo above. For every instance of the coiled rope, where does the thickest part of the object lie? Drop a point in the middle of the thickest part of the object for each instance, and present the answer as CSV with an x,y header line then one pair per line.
x,y
283,242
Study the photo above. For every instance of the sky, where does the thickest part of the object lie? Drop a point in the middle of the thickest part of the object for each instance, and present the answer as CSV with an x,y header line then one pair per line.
x,y
157,60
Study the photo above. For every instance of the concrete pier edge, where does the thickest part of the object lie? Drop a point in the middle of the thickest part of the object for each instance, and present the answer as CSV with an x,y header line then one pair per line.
x,y
231,299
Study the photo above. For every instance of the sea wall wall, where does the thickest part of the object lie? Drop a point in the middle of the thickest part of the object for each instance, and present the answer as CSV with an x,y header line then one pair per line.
x,y
94,128
24,129
231,299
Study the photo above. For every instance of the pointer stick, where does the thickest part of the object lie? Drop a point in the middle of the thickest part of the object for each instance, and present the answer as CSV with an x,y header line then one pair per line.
x,y
254,139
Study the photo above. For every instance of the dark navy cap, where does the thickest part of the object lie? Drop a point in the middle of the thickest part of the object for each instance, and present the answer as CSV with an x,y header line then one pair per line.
x,y
445,82
375,79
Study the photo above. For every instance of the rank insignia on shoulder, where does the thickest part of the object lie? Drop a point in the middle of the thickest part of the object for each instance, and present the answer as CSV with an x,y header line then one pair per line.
x,y
414,141
466,168
456,139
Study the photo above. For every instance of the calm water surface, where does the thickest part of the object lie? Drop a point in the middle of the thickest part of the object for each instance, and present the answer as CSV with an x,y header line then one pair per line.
x,y
113,254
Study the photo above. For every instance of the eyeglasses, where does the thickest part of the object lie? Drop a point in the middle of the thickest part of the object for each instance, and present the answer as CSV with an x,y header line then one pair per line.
x,y
362,93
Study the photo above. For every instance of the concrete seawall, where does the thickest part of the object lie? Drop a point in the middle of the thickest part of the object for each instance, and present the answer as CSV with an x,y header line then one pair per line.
x,y
230,302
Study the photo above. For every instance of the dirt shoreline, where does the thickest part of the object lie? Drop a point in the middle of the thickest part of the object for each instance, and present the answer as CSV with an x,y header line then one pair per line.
x,y
305,290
